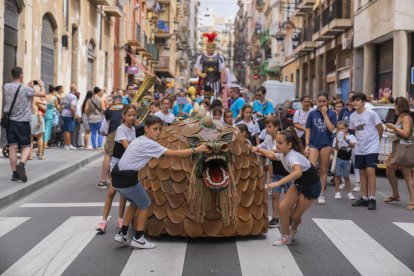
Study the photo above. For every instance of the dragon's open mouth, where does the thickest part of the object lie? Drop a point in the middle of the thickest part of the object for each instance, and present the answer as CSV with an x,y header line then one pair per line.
x,y
215,173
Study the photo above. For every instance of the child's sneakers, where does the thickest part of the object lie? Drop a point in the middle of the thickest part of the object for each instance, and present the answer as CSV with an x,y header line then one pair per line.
x,y
321,199
274,222
350,196
357,187
338,195
342,186
101,227
283,240
121,238
141,243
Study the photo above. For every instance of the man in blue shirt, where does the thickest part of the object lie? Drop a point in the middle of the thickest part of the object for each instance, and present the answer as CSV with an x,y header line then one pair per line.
x,y
130,90
182,108
262,107
238,103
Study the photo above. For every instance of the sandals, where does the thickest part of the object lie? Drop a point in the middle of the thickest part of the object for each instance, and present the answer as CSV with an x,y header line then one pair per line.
x,y
410,206
39,156
30,157
391,198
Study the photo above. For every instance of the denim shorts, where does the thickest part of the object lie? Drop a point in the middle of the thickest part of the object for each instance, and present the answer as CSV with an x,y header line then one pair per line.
x,y
278,189
310,192
68,124
343,167
136,195
19,133
366,161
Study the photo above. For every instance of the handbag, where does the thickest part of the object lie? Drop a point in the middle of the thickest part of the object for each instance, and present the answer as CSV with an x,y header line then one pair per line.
x,y
5,118
404,152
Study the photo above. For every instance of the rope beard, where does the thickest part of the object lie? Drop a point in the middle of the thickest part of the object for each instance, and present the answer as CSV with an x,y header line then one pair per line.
x,y
199,199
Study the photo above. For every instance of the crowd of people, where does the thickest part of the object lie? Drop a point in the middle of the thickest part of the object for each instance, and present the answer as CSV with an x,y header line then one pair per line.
x,y
326,137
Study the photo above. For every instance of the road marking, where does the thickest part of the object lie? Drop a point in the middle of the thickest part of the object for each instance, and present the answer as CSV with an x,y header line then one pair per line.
x,y
362,251
166,259
273,260
407,227
9,223
58,250
67,205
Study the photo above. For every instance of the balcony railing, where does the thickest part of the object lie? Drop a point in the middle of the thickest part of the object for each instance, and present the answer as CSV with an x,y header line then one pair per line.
x,y
316,23
326,17
341,9
306,35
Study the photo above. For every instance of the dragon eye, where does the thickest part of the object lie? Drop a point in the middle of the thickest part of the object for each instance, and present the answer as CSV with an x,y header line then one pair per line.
x,y
225,147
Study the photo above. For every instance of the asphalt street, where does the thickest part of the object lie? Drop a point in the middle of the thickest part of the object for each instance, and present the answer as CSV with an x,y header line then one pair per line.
x,y
38,237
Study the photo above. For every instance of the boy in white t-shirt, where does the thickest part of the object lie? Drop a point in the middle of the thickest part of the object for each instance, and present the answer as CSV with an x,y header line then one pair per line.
x,y
368,130
125,173
343,143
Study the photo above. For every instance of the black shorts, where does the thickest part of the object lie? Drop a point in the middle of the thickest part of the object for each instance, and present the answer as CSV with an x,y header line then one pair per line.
x,y
311,192
366,161
18,133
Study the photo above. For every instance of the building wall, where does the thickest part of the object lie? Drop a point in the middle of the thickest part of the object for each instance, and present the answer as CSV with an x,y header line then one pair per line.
x,y
87,23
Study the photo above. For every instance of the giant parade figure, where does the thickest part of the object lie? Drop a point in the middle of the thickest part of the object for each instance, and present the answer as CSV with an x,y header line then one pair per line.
x,y
209,66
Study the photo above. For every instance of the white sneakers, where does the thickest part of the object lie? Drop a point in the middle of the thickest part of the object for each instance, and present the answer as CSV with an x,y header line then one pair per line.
x,y
342,186
321,199
70,147
357,187
283,240
141,243
350,196
338,195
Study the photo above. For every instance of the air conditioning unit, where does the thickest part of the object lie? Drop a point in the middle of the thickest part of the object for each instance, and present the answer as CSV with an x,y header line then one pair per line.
x,y
346,43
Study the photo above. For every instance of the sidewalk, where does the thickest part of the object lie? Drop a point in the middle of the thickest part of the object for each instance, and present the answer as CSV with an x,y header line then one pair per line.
x,y
57,164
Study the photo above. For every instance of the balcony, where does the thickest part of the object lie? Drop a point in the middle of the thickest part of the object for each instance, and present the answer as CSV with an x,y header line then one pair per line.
x,y
102,2
162,29
137,41
317,35
151,51
306,45
165,67
338,19
302,7
113,10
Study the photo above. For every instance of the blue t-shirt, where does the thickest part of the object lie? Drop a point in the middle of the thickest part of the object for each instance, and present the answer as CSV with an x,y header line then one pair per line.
x,y
126,100
237,106
186,108
199,99
345,114
320,136
265,109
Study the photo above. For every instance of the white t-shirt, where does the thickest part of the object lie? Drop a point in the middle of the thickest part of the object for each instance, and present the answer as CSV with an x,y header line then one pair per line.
x,y
263,134
300,117
252,126
125,133
68,101
139,153
293,158
166,118
366,133
344,144
268,144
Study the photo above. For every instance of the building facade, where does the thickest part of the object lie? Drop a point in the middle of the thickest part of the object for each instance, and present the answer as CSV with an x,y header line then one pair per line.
x,y
384,49
60,42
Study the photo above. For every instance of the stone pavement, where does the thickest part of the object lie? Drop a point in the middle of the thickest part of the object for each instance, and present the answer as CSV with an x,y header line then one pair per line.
x,y
57,164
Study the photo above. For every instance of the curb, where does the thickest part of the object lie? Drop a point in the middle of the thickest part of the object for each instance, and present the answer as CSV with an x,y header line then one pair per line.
x,y
41,183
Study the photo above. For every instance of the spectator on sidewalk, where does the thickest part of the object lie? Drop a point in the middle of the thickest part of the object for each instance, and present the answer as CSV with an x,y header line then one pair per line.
x,y
37,126
18,132
51,105
94,110
85,123
69,103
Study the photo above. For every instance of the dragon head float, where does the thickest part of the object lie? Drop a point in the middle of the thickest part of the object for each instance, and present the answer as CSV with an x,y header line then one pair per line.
x,y
214,194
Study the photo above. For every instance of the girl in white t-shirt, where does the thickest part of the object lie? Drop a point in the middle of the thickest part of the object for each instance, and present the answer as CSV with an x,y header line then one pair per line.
x,y
306,188
253,126
125,134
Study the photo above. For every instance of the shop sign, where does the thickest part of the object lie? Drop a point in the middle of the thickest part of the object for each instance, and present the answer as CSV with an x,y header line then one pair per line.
x,y
132,70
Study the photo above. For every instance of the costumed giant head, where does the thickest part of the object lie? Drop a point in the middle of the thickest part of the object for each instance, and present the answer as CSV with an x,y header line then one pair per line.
x,y
216,194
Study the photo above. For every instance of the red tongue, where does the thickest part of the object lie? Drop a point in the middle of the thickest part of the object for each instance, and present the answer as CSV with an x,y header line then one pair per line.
x,y
216,174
